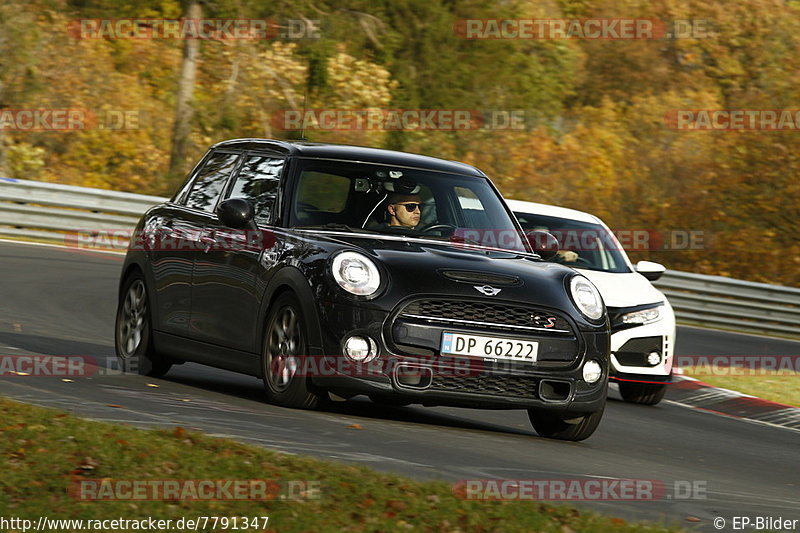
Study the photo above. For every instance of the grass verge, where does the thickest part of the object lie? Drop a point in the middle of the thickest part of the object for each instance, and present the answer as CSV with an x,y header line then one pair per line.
x,y
45,452
782,387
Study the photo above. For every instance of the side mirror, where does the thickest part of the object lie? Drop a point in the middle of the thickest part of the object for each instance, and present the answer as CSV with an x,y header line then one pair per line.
x,y
543,243
236,213
650,270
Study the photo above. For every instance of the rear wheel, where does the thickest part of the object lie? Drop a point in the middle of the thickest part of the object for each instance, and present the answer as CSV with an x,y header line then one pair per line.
x,y
557,427
642,393
285,347
133,338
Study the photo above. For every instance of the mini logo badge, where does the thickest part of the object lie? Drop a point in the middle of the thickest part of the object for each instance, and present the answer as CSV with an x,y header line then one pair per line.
x,y
488,290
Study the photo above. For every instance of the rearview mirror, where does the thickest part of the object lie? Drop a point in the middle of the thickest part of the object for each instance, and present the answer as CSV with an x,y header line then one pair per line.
x,y
236,213
650,270
543,243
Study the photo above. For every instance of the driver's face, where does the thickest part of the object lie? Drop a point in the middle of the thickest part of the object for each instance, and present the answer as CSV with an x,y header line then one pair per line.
x,y
403,216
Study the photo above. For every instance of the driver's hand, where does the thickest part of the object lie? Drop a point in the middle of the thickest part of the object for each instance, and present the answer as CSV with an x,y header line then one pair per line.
x,y
568,255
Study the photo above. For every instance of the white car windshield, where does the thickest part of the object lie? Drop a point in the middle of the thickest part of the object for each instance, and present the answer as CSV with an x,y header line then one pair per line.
x,y
581,244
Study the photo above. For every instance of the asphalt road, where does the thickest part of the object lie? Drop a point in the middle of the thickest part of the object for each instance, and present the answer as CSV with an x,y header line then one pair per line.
x,y
59,301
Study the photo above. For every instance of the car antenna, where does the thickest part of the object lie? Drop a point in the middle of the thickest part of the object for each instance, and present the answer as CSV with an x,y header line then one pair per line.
x,y
303,116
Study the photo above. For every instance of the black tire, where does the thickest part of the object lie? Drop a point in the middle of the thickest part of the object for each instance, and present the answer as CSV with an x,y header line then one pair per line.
x,y
285,344
389,401
642,393
133,336
557,427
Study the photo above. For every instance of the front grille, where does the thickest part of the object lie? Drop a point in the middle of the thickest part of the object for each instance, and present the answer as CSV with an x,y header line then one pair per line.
x,y
494,316
499,385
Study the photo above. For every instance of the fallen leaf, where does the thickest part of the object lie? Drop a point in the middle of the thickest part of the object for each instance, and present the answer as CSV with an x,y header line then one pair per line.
x,y
396,505
87,464
692,519
114,406
179,432
355,426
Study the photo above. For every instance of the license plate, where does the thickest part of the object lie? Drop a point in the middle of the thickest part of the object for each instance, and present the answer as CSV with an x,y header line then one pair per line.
x,y
489,347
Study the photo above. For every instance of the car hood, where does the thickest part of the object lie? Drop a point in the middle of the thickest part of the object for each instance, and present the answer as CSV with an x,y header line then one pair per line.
x,y
623,289
420,266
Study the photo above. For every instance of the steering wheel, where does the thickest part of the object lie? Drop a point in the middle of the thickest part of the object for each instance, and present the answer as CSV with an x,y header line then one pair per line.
x,y
579,261
436,227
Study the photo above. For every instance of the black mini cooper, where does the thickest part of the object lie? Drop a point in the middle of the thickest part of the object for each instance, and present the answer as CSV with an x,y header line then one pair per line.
x,y
331,271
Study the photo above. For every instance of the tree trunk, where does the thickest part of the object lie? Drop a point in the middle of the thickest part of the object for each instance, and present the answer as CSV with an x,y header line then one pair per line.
x,y
183,110
3,164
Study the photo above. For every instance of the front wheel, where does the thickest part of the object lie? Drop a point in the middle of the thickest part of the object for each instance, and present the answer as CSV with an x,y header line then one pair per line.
x,y
285,349
133,338
557,427
642,393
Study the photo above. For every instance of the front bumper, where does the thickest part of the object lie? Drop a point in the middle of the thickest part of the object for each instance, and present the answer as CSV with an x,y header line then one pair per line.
x,y
415,371
631,347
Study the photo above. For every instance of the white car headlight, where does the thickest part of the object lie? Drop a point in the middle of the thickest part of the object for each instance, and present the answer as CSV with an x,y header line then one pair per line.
x,y
586,297
644,316
356,273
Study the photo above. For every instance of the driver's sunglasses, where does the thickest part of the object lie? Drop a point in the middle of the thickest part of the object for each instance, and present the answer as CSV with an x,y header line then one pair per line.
x,y
411,207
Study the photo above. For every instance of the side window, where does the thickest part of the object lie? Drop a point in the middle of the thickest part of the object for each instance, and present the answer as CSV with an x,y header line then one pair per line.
x,y
259,181
211,181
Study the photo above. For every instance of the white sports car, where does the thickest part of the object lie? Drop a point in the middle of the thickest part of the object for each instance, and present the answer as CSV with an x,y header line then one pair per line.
x,y
642,320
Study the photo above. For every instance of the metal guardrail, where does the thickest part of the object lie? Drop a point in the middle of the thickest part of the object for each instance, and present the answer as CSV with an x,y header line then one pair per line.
x,y
31,209
719,302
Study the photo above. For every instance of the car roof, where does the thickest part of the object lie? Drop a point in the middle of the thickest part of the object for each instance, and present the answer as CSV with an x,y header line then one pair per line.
x,y
533,208
352,153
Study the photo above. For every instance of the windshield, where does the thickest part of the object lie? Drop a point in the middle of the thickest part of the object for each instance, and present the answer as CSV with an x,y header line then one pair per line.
x,y
581,244
419,203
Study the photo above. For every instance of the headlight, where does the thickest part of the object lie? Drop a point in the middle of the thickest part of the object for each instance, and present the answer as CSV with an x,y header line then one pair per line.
x,y
356,273
586,297
644,316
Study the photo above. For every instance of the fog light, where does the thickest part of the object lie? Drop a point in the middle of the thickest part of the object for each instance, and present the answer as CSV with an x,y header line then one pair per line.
x,y
360,349
592,371
653,358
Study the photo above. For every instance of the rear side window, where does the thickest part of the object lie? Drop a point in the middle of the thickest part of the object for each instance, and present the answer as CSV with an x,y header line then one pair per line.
x,y
211,181
259,181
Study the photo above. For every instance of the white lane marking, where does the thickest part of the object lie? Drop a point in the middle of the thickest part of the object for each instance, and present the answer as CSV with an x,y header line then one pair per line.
x,y
710,411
